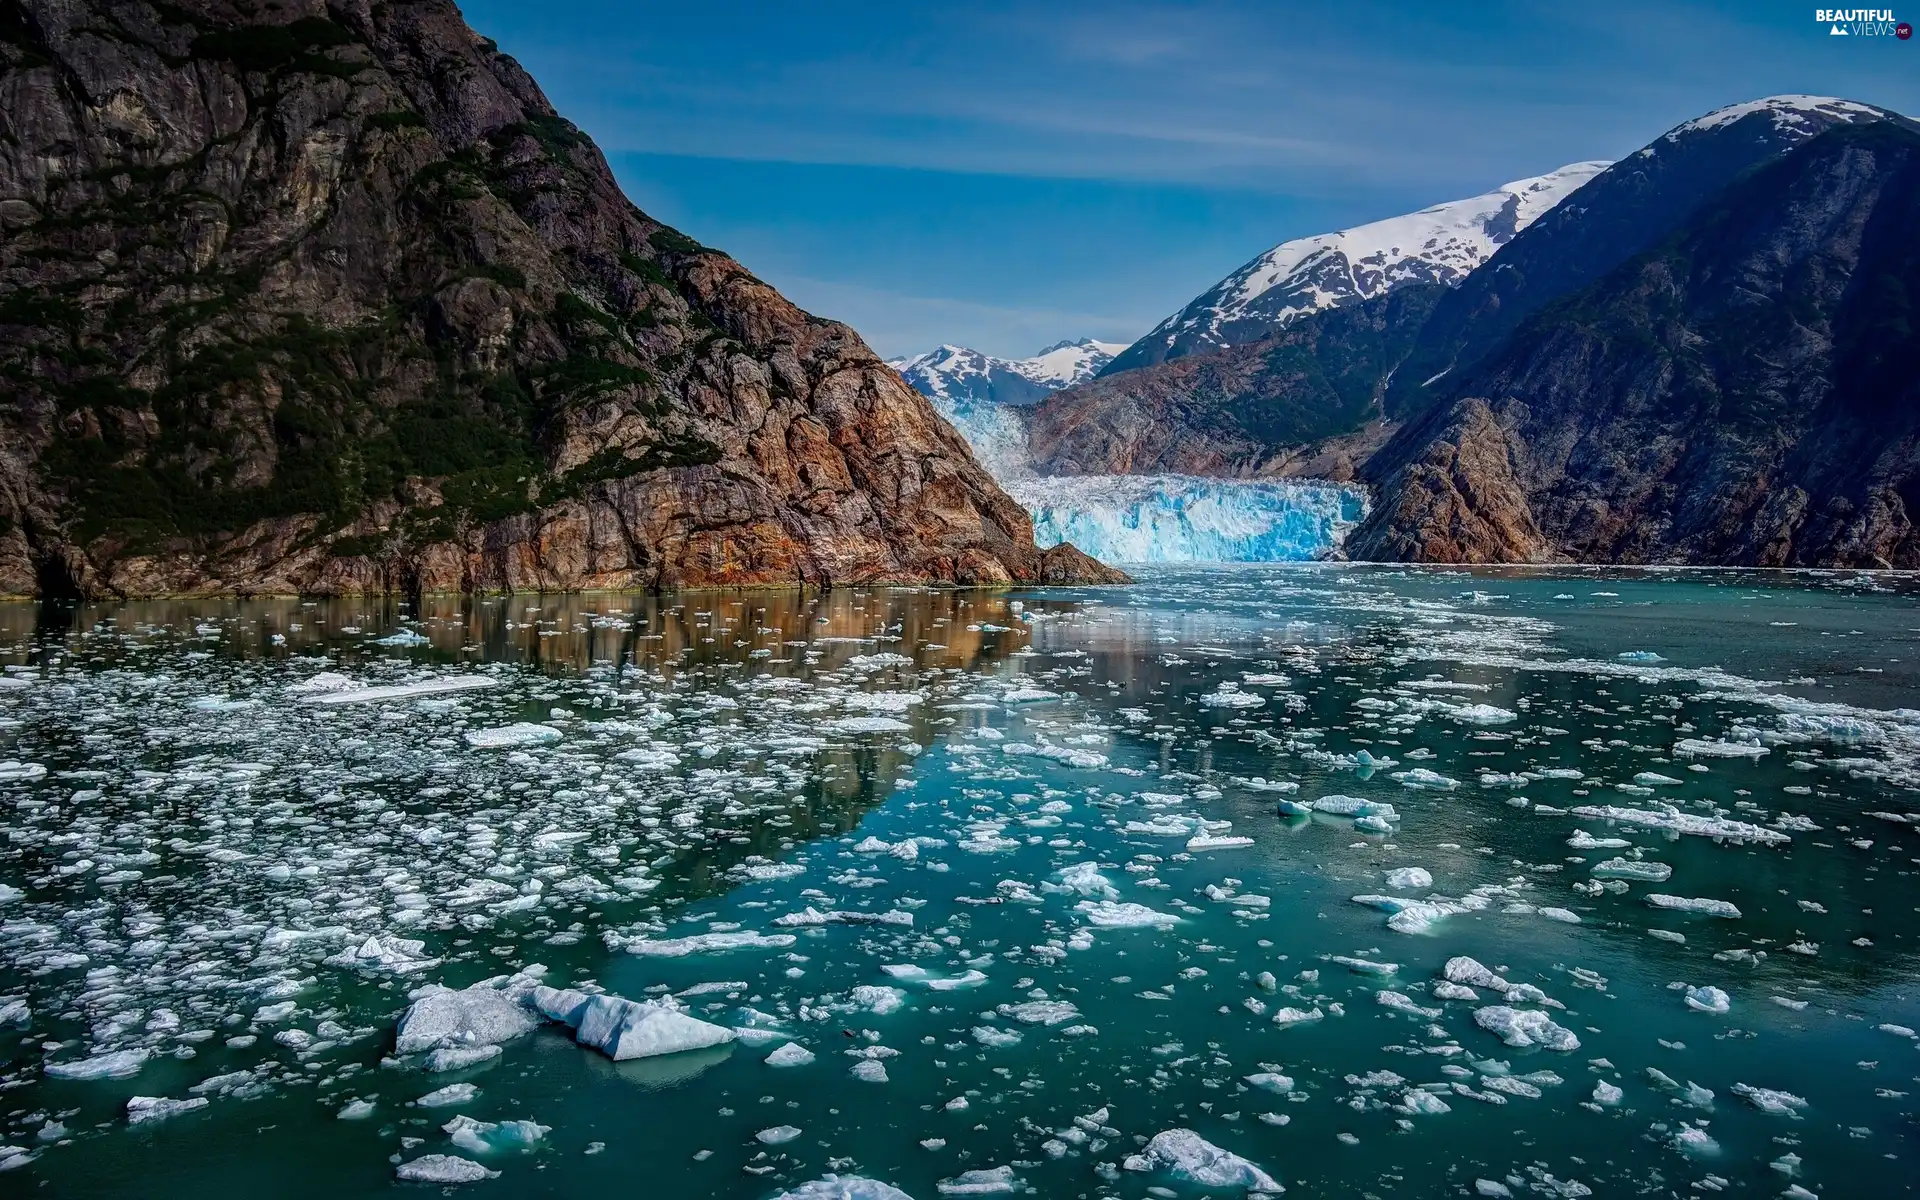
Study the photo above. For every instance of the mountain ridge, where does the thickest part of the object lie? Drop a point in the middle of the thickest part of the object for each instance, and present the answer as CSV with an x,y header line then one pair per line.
x,y
1441,244
329,299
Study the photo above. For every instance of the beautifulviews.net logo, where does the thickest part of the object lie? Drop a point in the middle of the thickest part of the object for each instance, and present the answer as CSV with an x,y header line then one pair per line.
x,y
1862,22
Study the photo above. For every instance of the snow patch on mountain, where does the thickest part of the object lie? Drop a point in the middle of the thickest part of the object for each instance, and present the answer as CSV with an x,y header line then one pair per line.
x,y
1441,244
1791,115
956,373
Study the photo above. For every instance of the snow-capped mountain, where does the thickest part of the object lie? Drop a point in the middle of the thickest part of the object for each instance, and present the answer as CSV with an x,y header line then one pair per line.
x,y
957,374
1441,245
1794,116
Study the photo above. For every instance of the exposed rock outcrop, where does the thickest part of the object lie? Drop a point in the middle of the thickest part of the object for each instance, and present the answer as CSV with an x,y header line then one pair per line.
x,y
1745,393
323,296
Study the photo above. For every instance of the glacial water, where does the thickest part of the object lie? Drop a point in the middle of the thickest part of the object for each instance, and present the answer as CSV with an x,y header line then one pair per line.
x,y
1603,883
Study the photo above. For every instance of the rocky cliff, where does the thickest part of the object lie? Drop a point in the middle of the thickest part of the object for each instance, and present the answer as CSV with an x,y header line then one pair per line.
x,y
322,295
1305,400
1745,392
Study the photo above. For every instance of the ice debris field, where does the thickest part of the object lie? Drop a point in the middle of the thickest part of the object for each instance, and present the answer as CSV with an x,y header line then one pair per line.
x,y
1311,880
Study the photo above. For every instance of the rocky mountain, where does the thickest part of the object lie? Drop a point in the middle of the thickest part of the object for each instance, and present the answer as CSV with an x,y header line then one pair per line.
x,y
322,295
1437,245
1626,210
1743,391
1303,401
962,376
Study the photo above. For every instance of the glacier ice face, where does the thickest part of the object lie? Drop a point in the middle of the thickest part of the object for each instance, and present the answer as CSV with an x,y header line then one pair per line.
x,y
1184,518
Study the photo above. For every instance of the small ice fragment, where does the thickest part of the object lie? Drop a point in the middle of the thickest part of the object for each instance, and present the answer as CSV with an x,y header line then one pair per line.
x,y
521,734
777,1135
1409,878
1707,1000
623,1029
443,1168
793,1054
1525,1027
1705,907
159,1108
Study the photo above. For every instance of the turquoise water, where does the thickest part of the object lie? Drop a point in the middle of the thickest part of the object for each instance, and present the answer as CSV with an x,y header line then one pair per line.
x,y
207,832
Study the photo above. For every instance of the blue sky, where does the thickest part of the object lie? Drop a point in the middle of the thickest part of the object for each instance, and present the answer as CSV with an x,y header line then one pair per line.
x,y
1006,173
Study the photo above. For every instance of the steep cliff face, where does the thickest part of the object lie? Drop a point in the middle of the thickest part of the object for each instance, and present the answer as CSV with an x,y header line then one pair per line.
x,y
1633,206
1743,393
1302,401
321,295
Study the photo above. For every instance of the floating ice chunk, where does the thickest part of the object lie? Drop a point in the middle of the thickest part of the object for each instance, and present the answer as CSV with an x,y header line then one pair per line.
x,y
522,734
869,724
1635,869
1229,695
995,1039
1565,916
1354,806
1708,748
457,1058
702,943
8,893
1605,1093
1421,1103
1269,1081
811,916
559,1004
443,1168
352,693
1365,966
1703,906
844,1187
1707,1000
1085,879
1040,1012
14,772
1655,779
623,1029
1896,1030
993,1181
403,637
878,1000
1421,777
1691,1139
484,1137
793,1054
1525,1027
1206,842
1454,991
1108,914
141,1109
872,1070
384,952
1297,1016
453,1093
1779,1104
1640,657
1190,1158
1671,818
1409,878
1481,714
115,1064
1401,1002
355,1110
1027,695
478,1016
778,1135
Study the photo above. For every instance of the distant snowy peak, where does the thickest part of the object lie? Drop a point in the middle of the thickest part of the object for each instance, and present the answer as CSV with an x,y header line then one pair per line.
x,y
1794,116
959,375
1441,245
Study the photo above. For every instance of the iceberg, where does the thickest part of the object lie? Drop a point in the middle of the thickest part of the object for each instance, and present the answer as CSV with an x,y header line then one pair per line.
x,y
623,1029
1183,518
443,1168
844,1187
1186,1156
479,1016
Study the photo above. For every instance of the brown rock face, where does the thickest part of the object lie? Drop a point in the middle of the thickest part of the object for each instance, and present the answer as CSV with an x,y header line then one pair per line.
x,y
1304,401
1744,395
322,296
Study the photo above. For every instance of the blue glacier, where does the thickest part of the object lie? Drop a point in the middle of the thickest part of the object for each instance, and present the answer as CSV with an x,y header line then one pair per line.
x,y
1186,518
996,433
